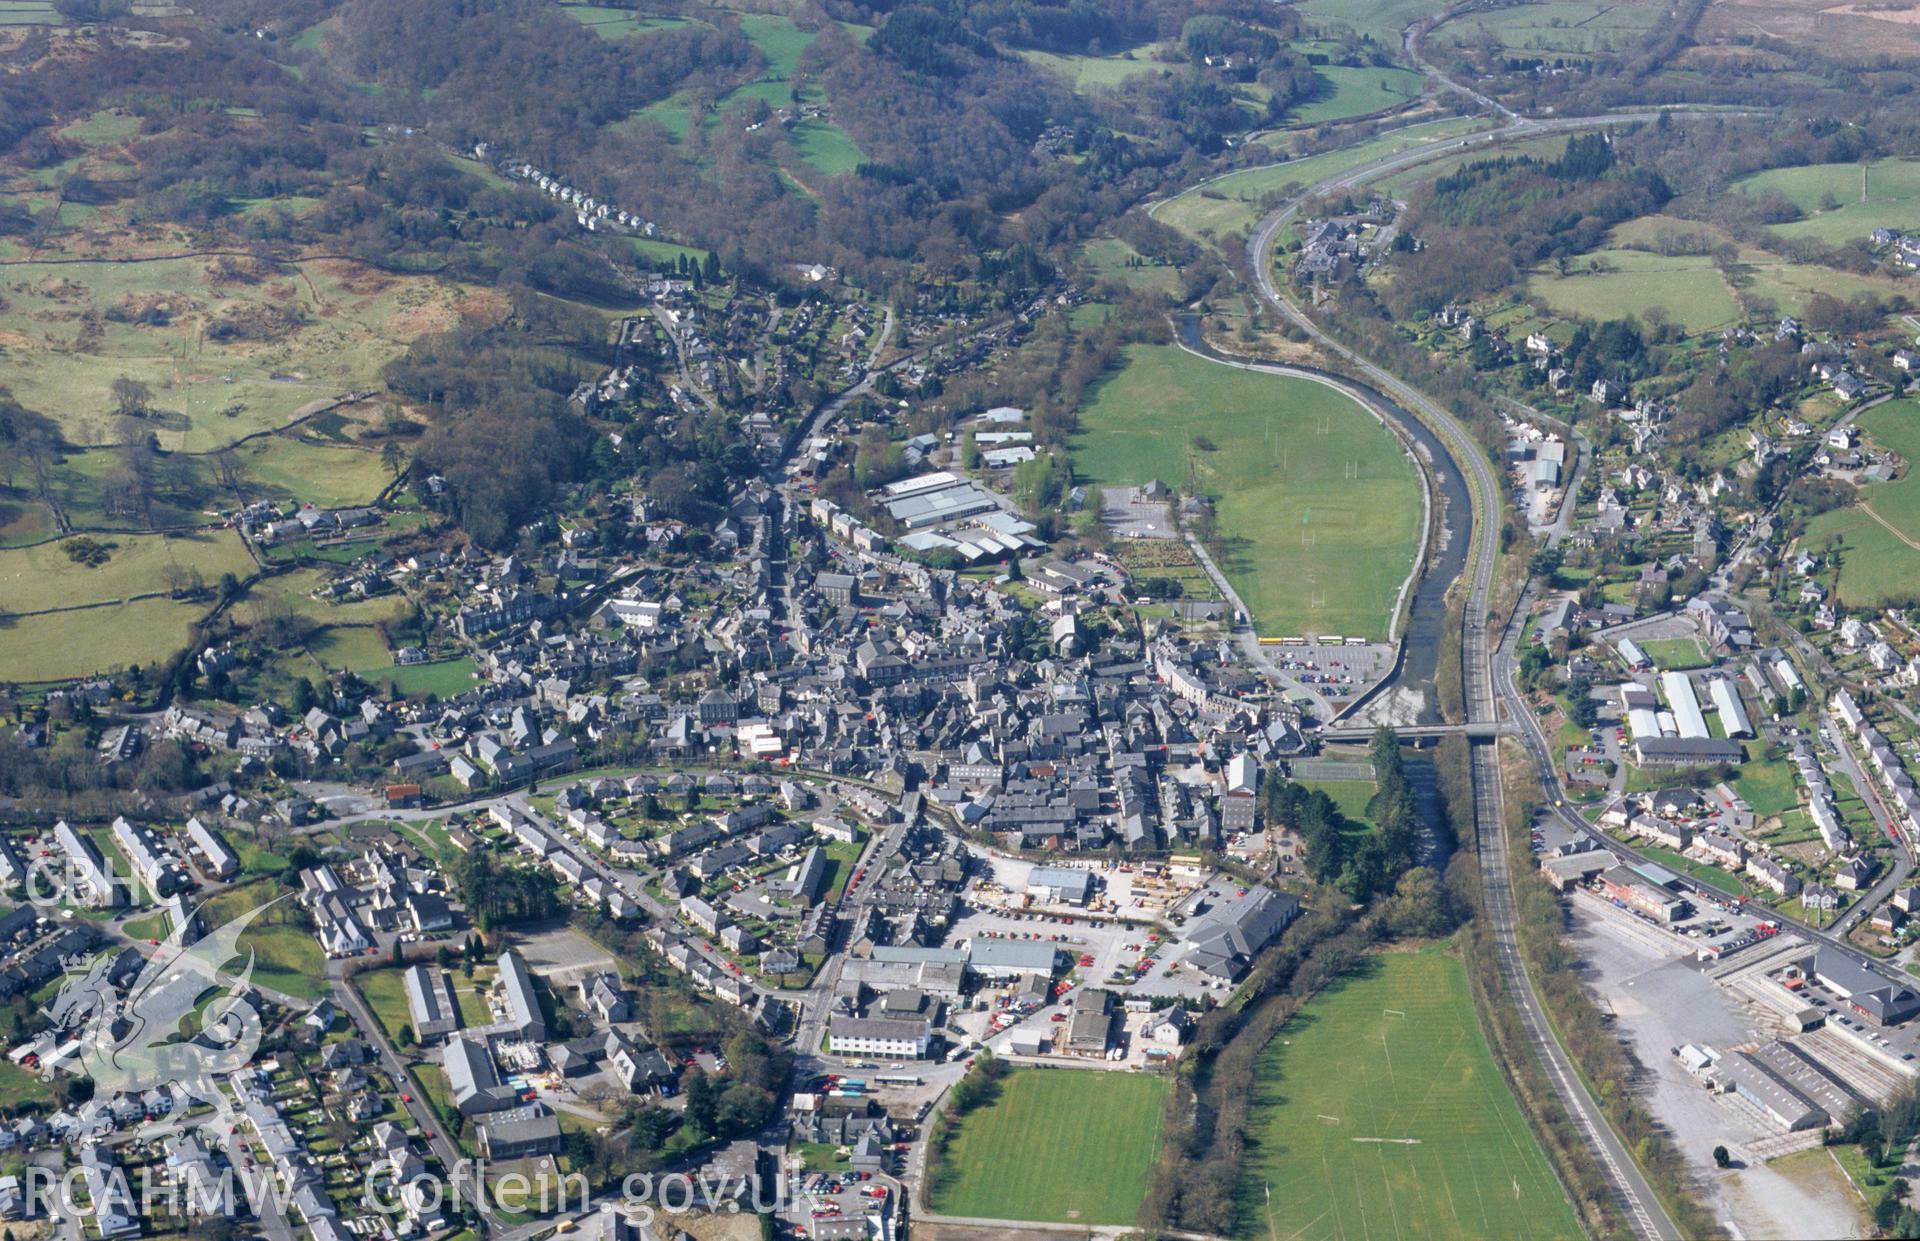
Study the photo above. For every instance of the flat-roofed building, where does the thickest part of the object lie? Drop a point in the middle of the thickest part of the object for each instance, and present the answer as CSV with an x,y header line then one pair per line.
x,y
1009,958
1060,885
1643,895
908,1039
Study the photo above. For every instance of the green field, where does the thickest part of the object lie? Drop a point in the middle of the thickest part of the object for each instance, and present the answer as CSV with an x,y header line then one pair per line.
x,y
1883,194
672,114
1877,563
351,648
1348,91
60,646
1635,280
385,991
1338,1148
1100,71
1058,1146
1792,285
286,955
1109,258
329,475
1766,786
1553,31
29,13
1319,506
1382,20
45,576
827,147
1351,796
1636,276
1674,654
445,679
618,23
820,144
1232,203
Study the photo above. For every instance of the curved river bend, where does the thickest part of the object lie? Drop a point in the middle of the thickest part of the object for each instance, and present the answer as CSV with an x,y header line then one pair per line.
x,y
1426,618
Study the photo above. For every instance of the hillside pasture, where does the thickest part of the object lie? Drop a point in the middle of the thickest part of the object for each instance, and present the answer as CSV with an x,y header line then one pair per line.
x,y
1632,281
827,147
1112,259
1879,537
1091,72
45,576
1381,20
29,13
1881,194
1348,91
618,23
1319,508
1661,260
329,475
1557,31
226,346
62,646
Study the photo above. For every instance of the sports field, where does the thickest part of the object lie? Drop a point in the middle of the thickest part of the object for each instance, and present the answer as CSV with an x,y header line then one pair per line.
x,y
1381,1115
1057,1146
1233,202
1883,194
1880,536
1319,508
1351,796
